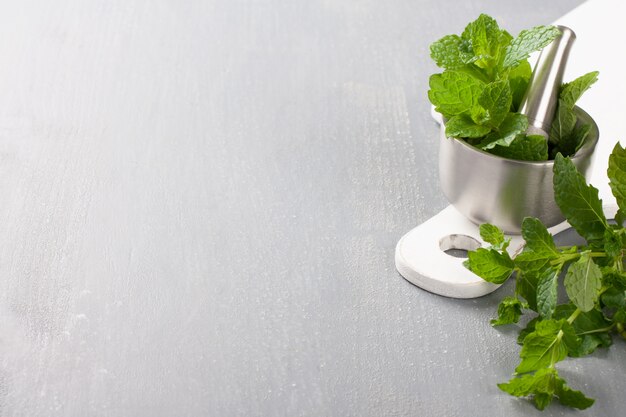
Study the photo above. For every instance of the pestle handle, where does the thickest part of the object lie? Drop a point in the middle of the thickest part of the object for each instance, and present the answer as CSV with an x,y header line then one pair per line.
x,y
541,98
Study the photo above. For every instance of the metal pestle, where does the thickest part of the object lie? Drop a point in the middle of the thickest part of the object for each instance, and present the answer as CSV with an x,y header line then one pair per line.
x,y
541,97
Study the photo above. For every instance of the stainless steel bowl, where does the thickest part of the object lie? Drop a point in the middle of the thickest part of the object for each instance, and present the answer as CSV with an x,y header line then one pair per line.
x,y
490,189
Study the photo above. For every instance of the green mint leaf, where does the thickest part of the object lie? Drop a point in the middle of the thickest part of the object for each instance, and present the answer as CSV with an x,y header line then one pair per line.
x,y
486,39
519,387
578,201
619,316
475,72
580,134
509,311
526,286
542,400
479,115
448,52
454,92
546,345
592,328
614,298
524,148
496,100
539,250
614,278
617,175
537,237
529,261
588,345
529,41
569,144
570,339
582,282
543,386
462,126
572,398
572,91
564,134
563,124
513,125
620,217
547,292
612,243
491,265
491,234
518,80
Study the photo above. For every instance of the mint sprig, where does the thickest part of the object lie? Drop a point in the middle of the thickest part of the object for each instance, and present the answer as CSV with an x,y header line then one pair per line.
x,y
565,135
594,280
486,73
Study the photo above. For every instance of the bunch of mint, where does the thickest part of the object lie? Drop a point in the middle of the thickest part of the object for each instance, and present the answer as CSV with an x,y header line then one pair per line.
x,y
486,73
594,281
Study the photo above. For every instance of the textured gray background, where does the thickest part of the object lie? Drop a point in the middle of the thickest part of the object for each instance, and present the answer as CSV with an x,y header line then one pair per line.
x,y
200,203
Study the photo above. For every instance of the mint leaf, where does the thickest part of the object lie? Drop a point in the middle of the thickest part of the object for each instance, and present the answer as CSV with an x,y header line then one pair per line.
x,y
496,100
518,80
593,329
479,115
486,39
537,237
522,386
564,133
462,126
526,286
524,148
546,345
539,249
572,91
547,292
578,137
529,261
572,398
475,72
614,278
570,143
543,386
447,52
509,311
529,41
589,343
617,175
513,125
620,317
578,201
454,92
582,282
491,265
612,243
491,234
563,124
542,400
614,298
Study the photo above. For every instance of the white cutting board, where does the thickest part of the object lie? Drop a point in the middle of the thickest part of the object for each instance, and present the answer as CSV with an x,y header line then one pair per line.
x,y
600,27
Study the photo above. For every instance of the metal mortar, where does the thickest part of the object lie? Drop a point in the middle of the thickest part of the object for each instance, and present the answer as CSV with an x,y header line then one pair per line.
x,y
490,189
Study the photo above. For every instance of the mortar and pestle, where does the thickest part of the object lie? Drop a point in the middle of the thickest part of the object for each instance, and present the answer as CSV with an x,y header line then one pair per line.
x,y
485,188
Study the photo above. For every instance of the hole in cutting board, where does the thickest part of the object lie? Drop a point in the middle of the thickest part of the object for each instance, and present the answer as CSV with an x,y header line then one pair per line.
x,y
458,245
